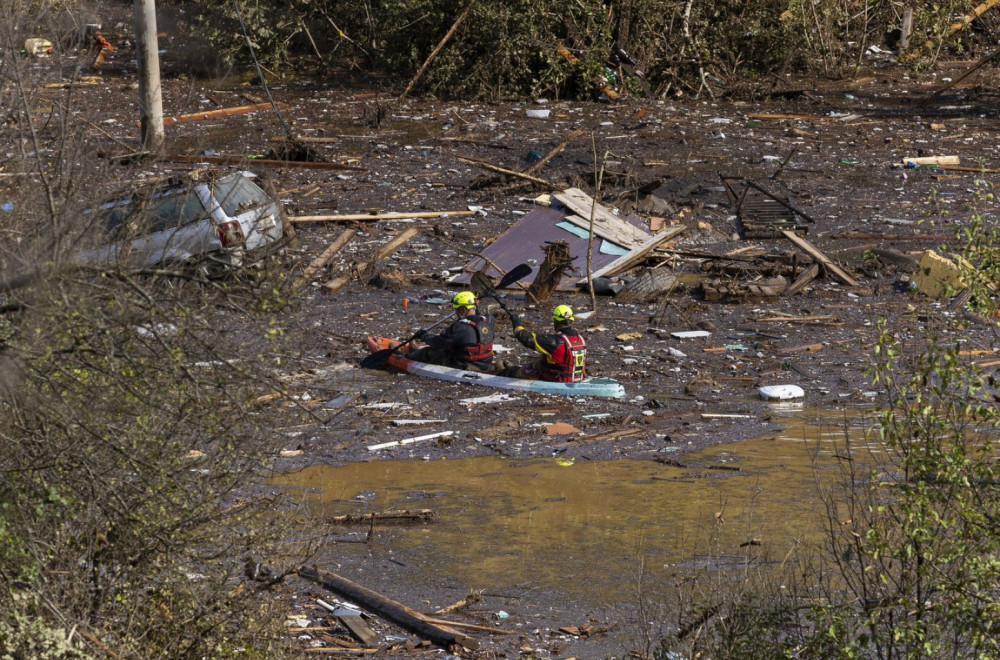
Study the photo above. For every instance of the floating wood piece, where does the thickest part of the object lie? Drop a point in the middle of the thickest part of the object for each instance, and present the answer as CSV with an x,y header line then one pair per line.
x,y
400,240
606,224
815,319
410,441
389,609
475,626
335,284
804,278
260,162
375,217
816,254
221,112
805,348
473,598
636,254
319,262
931,160
354,623
402,515
503,170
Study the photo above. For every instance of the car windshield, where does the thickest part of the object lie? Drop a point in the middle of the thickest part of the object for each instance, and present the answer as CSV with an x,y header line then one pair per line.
x,y
175,210
237,194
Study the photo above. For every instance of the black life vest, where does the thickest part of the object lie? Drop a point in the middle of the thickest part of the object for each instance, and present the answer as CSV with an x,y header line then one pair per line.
x,y
483,348
568,363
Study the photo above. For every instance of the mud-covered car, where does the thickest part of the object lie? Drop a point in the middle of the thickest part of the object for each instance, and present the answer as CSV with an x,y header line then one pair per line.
x,y
205,218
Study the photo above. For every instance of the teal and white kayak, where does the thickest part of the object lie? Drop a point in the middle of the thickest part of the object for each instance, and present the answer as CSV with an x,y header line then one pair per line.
x,y
603,387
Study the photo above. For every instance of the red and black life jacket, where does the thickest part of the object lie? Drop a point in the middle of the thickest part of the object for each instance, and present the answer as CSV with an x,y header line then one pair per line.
x,y
568,363
483,348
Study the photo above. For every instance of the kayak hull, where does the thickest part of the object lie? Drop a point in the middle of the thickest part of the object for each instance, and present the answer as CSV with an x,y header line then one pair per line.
x,y
602,387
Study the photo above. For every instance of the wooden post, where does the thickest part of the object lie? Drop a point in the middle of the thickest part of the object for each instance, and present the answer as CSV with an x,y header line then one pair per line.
x,y
904,30
150,94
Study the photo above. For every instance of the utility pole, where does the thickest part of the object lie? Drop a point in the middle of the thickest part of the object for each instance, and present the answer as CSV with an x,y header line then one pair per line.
x,y
150,94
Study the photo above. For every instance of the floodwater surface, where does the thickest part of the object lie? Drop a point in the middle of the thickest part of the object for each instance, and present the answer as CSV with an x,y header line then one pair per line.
x,y
584,527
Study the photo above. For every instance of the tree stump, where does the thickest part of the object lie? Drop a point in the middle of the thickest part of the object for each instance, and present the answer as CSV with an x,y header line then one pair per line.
x,y
557,261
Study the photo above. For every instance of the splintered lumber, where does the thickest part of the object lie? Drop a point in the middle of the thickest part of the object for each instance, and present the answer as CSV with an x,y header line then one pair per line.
x,y
557,261
221,112
397,242
374,217
636,254
388,609
403,515
804,278
816,254
260,162
321,261
813,320
473,598
606,224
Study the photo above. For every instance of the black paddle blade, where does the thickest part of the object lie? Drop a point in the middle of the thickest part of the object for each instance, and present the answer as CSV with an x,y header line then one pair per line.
x,y
517,273
378,358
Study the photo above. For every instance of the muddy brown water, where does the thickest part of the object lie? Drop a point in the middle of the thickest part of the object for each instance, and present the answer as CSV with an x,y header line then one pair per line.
x,y
582,528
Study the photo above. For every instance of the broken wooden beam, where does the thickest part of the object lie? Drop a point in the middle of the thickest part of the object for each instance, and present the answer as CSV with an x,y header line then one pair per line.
x,y
636,254
804,278
221,112
389,609
321,261
259,162
606,224
375,217
397,242
816,254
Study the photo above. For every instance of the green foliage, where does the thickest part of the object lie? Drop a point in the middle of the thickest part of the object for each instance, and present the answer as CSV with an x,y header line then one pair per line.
x,y
27,637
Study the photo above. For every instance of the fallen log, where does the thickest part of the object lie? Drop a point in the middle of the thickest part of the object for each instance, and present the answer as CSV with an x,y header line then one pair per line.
x,y
404,515
389,609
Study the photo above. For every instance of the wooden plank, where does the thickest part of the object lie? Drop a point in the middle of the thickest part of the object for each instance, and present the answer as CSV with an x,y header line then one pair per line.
x,y
804,278
374,217
335,284
221,112
397,242
615,228
816,254
321,261
389,609
637,253
359,629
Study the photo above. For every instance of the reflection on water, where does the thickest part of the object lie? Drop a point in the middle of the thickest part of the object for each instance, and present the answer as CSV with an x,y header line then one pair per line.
x,y
503,522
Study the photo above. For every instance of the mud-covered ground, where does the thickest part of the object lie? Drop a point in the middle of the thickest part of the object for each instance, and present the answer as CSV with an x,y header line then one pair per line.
x,y
843,142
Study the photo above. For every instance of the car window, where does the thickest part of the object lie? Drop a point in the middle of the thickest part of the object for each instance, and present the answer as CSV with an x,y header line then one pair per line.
x,y
237,194
174,210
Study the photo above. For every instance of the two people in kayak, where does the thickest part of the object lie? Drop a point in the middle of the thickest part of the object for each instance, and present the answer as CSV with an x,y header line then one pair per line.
x,y
468,344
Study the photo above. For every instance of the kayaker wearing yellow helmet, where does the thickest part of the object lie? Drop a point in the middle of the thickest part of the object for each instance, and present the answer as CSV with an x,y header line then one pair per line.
x,y
564,353
465,344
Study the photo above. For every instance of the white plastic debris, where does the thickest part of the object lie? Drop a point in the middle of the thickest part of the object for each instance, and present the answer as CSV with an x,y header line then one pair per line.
x,y
690,334
781,392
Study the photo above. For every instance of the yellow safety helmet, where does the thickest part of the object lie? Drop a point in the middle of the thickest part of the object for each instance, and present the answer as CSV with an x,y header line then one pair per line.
x,y
562,313
463,299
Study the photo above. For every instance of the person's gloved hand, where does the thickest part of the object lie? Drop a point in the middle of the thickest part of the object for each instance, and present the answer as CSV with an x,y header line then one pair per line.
x,y
515,321
421,335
